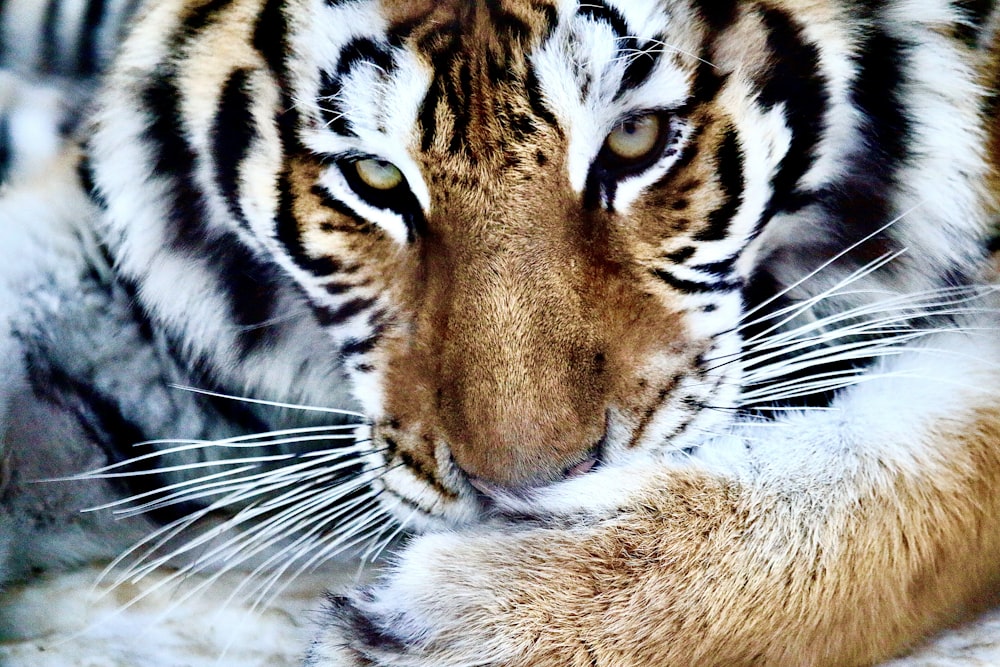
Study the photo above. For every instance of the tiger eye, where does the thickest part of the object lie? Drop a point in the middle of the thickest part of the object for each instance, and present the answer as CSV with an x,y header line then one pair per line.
x,y
378,174
635,138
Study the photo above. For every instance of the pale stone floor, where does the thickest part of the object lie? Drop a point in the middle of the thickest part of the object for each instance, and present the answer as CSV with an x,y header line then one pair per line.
x,y
61,622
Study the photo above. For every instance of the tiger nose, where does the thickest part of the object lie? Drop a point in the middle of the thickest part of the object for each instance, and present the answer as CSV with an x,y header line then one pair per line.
x,y
495,491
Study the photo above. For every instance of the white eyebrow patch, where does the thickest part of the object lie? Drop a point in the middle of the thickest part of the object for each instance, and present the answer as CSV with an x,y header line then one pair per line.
x,y
360,96
583,64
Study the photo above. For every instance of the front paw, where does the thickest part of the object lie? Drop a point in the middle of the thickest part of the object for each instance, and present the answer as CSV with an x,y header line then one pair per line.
x,y
354,637
434,608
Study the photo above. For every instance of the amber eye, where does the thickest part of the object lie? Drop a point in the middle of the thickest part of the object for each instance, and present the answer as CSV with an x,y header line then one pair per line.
x,y
378,174
635,138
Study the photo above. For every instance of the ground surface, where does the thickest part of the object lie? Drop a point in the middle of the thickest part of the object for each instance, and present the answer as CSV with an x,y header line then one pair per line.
x,y
61,622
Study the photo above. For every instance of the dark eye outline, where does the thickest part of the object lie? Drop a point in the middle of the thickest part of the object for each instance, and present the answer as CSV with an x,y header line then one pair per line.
x,y
399,199
610,166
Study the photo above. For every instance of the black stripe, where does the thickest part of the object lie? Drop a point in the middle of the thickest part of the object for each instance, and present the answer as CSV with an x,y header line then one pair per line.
x,y
641,62
861,200
364,49
247,282
693,287
137,309
250,286
878,93
598,10
510,25
49,52
427,118
976,14
707,84
719,14
719,269
104,420
729,167
200,17
104,423
796,81
165,131
270,38
459,100
682,255
233,132
85,173
290,236
6,150
536,100
359,224
330,110
332,316
551,22
338,289
87,41
174,160
442,47
687,156
356,347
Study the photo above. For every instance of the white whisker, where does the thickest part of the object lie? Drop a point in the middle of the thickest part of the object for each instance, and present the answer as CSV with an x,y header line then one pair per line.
x,y
274,404
832,260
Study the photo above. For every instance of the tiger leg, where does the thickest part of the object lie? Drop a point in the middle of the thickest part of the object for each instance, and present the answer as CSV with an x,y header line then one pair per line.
x,y
828,538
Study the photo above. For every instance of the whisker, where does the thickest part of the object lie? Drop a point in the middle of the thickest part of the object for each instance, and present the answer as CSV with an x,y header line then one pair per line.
x,y
808,304
239,440
363,528
254,511
274,404
289,474
829,262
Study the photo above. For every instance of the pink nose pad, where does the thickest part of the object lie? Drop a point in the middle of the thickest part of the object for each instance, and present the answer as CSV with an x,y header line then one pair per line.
x,y
581,468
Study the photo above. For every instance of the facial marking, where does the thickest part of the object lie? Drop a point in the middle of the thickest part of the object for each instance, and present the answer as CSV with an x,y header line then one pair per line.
x,y
602,63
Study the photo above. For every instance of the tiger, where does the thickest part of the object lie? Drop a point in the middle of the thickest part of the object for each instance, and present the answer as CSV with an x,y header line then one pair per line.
x,y
646,333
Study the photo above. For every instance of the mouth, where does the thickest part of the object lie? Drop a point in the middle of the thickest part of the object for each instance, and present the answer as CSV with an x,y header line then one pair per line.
x,y
491,492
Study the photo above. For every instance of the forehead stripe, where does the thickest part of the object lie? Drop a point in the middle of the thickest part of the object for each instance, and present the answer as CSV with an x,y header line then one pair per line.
x,y
600,11
641,62
364,49
330,110
361,51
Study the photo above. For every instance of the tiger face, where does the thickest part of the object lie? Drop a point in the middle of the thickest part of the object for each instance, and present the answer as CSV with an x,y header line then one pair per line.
x,y
533,230
529,222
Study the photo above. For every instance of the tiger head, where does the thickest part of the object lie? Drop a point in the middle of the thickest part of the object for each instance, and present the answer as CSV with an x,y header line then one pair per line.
x,y
532,230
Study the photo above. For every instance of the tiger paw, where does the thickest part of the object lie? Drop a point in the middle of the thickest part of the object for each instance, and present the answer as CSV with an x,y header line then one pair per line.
x,y
432,608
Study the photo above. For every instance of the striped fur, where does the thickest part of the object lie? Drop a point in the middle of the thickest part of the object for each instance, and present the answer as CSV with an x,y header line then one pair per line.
x,y
596,358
